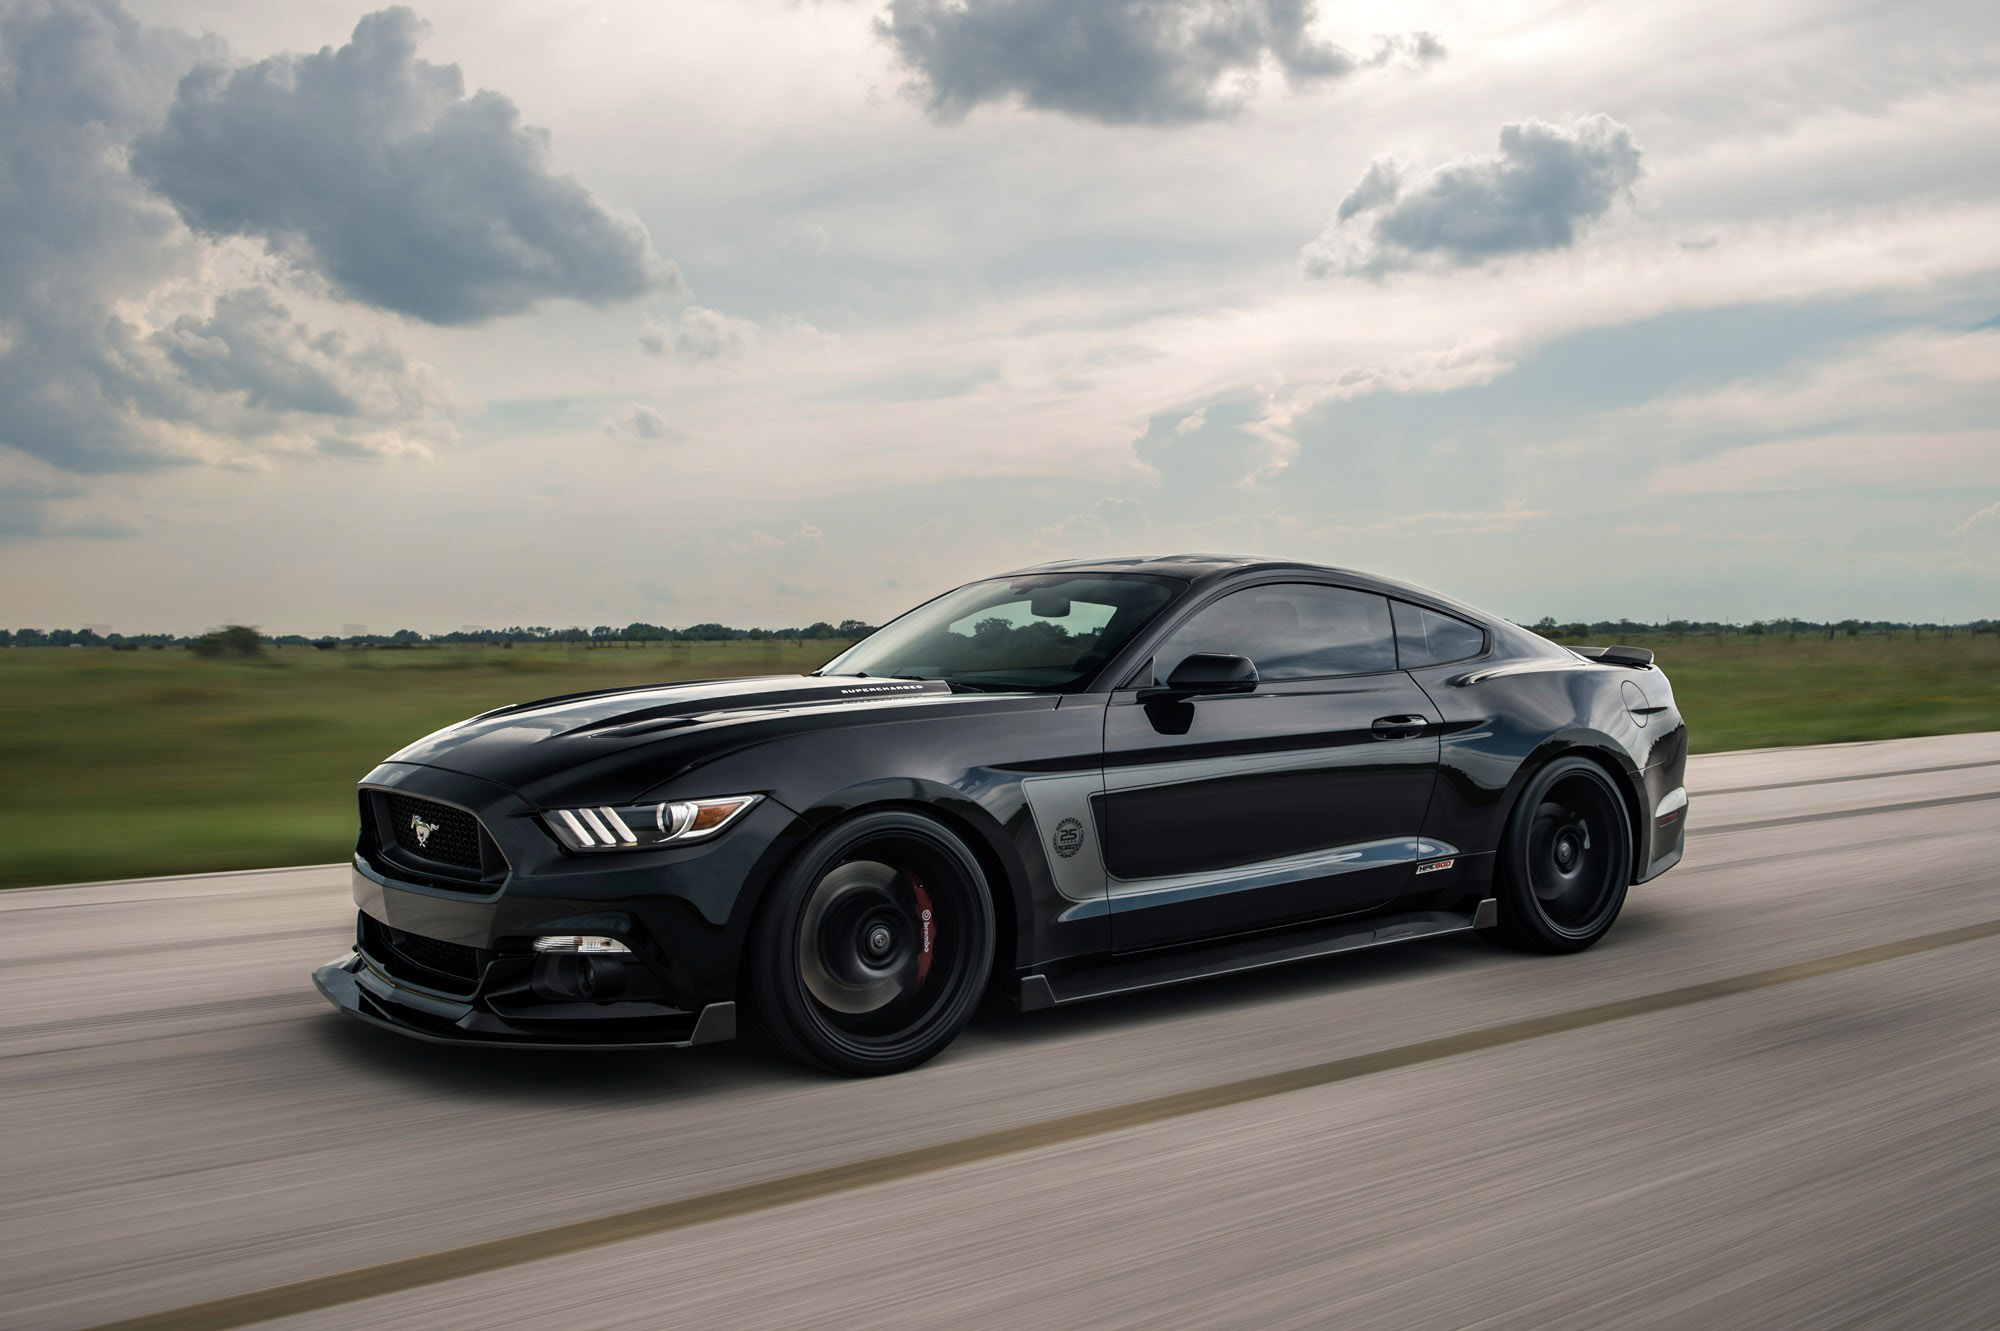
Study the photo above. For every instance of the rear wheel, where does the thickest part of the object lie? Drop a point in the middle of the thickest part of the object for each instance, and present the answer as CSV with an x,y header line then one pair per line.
x,y
1566,860
874,947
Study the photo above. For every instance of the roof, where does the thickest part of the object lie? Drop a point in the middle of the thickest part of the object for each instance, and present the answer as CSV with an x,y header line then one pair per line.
x,y
1183,565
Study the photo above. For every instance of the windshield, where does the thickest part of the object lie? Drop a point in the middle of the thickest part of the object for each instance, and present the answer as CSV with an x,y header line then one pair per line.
x,y
1045,632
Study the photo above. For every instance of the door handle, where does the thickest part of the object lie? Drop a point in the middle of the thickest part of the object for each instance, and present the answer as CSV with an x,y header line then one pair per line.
x,y
1398,727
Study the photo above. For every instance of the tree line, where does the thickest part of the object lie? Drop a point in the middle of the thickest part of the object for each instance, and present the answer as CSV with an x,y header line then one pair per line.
x,y
242,640
1548,627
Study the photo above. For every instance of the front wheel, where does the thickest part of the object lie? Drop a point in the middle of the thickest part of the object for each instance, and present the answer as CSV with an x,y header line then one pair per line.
x,y
874,947
1566,860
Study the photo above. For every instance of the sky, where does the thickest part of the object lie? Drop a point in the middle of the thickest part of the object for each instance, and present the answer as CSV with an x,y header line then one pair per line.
x,y
772,311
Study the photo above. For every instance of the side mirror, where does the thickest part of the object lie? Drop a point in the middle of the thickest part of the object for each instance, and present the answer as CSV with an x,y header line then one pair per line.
x,y
1209,672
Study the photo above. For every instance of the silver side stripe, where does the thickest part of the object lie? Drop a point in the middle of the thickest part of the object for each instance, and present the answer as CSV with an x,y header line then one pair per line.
x,y
1132,894
1146,776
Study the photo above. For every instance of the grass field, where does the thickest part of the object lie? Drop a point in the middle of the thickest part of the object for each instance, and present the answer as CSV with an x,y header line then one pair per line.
x,y
116,764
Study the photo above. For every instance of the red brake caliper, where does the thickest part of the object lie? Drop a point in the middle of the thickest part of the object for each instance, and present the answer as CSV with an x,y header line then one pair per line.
x,y
928,927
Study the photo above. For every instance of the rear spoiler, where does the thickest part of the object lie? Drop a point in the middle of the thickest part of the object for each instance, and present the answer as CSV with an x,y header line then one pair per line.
x,y
1637,658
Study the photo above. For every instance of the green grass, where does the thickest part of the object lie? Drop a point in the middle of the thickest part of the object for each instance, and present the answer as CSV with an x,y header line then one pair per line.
x,y
1745,692
117,764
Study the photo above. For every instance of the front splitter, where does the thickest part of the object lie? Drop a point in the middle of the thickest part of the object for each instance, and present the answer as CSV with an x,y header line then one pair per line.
x,y
361,994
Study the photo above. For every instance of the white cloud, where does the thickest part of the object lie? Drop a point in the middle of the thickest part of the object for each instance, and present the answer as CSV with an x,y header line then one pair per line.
x,y
640,424
1989,513
700,334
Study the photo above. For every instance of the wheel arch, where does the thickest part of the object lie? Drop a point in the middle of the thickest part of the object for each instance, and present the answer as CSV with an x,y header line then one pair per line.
x,y
1604,753
978,830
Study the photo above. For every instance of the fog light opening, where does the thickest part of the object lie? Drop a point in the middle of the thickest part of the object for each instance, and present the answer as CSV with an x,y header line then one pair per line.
x,y
572,977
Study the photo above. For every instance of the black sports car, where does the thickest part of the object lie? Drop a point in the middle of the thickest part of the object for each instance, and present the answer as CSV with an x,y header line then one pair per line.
x,y
1075,780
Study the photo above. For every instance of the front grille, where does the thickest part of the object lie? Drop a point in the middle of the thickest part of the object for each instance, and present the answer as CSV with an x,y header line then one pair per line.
x,y
452,959
431,962
434,831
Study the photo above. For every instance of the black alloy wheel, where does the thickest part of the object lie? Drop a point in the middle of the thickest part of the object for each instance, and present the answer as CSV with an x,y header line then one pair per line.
x,y
1566,861
874,947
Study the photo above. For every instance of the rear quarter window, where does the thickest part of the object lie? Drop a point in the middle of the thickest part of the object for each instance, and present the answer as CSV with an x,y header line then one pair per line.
x,y
1427,638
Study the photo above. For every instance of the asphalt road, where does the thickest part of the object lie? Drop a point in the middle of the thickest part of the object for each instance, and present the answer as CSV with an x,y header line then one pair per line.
x,y
1772,1097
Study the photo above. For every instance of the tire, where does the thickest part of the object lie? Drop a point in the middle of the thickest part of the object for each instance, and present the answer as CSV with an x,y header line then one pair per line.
x,y
874,946
1565,861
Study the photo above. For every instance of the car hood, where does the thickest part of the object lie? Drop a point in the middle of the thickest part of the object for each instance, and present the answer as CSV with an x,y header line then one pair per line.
x,y
620,743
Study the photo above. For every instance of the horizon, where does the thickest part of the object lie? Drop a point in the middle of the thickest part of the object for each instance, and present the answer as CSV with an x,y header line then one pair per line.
x,y
472,634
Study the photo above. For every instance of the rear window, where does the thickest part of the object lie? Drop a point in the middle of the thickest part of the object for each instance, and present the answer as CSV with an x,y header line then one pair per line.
x,y
1426,638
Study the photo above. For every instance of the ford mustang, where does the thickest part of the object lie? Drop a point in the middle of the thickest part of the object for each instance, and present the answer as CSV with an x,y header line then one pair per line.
x,y
1075,780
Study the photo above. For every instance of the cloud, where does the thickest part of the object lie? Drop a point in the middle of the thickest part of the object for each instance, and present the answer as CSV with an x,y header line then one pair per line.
x,y
1544,184
120,350
1112,523
700,334
373,169
1119,62
75,229
1991,511
641,424
265,371
1417,50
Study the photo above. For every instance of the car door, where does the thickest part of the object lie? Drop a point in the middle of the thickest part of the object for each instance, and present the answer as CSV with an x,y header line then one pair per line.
x,y
1298,800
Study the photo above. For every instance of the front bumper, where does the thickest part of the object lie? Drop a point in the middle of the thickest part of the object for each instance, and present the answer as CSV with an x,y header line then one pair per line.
x,y
447,956
361,991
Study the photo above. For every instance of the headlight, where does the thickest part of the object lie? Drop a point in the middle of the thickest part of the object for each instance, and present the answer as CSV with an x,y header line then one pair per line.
x,y
644,826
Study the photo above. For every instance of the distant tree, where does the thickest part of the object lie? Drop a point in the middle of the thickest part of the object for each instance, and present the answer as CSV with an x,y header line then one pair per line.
x,y
233,640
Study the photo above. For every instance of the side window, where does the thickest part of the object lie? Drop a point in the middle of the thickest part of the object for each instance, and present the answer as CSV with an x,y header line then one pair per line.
x,y
1425,637
1289,631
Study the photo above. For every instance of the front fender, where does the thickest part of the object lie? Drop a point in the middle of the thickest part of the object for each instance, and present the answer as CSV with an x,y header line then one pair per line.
x,y
965,765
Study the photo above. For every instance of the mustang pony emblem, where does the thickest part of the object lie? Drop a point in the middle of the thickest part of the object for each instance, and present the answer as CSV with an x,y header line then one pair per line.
x,y
423,830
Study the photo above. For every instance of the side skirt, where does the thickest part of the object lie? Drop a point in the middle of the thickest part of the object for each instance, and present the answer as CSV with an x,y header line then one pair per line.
x,y
1154,971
